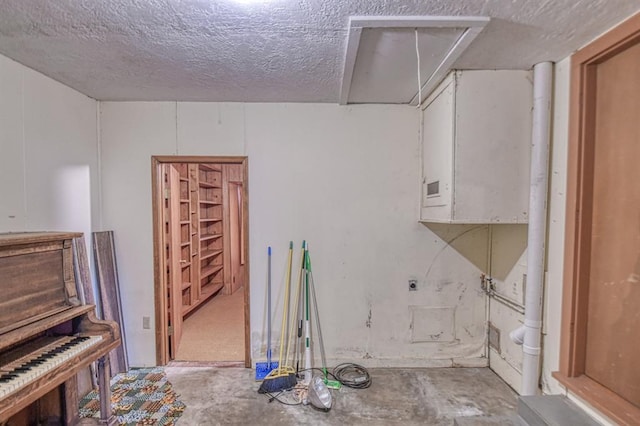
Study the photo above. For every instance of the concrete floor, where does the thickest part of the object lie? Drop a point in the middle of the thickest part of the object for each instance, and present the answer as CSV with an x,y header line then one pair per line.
x,y
401,396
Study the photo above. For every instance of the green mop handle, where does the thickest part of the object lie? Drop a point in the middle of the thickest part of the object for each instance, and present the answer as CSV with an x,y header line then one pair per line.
x,y
315,306
269,310
307,351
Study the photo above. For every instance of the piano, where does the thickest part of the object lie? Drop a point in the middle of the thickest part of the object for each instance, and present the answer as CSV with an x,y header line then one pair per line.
x,y
46,334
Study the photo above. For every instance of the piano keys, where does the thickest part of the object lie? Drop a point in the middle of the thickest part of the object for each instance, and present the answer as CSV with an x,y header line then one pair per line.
x,y
49,353
46,335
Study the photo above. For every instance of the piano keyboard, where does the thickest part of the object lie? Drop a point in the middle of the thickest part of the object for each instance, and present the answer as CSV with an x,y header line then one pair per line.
x,y
28,368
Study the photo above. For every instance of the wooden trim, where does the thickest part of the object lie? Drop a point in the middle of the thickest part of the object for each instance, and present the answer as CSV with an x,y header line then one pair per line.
x,y
578,221
197,159
159,285
226,237
70,401
616,408
214,364
610,43
247,290
162,349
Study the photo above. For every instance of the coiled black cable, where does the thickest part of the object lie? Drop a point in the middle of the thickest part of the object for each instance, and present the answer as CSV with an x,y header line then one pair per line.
x,y
352,375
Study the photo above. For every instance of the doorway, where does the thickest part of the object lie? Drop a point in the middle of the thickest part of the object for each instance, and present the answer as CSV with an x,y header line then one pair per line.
x,y
201,270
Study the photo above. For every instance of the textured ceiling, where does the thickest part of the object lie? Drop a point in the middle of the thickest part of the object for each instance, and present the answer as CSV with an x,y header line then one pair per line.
x,y
263,51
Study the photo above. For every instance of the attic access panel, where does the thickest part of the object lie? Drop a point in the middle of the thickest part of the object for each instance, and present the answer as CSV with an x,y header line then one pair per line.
x,y
381,60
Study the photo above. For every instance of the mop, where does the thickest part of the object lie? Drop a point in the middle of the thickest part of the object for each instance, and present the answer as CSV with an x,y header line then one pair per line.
x,y
283,377
264,368
331,384
308,373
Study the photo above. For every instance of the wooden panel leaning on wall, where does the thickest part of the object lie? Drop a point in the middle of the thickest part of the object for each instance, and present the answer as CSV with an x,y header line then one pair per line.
x,y
109,286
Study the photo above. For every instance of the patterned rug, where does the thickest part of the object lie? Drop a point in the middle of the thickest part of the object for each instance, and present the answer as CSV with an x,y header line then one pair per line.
x,y
141,396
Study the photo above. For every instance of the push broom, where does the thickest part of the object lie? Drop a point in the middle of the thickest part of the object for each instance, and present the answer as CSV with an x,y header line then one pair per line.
x,y
283,377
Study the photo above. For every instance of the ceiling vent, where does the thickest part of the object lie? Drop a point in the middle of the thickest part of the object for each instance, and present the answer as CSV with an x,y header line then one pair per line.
x,y
383,53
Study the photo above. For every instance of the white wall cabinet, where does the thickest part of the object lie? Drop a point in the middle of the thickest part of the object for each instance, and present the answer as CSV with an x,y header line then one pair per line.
x,y
476,136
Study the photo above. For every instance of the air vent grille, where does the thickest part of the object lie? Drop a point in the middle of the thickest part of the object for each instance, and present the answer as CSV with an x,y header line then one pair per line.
x,y
433,188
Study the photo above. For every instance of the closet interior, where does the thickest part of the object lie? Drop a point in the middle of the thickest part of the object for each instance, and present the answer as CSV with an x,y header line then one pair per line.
x,y
204,242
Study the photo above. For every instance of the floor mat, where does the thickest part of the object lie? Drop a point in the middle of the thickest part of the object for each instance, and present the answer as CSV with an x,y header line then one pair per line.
x,y
141,396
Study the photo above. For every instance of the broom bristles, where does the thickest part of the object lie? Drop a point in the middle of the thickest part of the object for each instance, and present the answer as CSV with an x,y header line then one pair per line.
x,y
278,382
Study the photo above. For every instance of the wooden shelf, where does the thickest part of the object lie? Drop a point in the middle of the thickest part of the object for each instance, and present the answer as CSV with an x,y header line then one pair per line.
x,y
209,185
199,219
205,254
210,289
212,167
209,270
207,291
210,219
188,308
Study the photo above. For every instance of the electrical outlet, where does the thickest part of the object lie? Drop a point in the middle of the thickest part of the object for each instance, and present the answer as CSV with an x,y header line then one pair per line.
x,y
413,285
146,323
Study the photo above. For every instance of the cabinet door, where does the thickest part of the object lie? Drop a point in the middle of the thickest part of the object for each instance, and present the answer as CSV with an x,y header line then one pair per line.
x,y
437,155
492,145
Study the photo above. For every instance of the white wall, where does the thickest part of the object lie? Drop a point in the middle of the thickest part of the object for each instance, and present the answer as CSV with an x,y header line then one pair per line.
x,y
508,268
343,178
48,162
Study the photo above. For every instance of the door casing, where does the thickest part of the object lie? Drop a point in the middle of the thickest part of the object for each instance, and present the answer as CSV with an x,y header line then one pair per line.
x,y
159,258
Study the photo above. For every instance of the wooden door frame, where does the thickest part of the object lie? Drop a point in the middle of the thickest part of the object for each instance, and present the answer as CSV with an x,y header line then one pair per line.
x,y
575,298
159,263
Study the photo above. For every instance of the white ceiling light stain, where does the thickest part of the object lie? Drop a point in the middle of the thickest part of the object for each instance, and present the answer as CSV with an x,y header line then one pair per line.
x,y
272,51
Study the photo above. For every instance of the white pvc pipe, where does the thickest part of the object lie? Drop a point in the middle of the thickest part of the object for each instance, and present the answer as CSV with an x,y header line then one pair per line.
x,y
540,135
517,335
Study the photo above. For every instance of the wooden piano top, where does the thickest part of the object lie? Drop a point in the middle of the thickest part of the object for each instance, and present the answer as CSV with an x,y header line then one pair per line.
x,y
36,277
21,238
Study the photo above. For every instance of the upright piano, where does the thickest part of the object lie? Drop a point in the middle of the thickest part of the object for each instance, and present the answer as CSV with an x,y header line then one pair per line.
x,y
46,334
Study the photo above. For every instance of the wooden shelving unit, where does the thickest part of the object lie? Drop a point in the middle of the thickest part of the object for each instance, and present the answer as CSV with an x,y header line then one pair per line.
x,y
211,229
199,240
186,247
195,232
